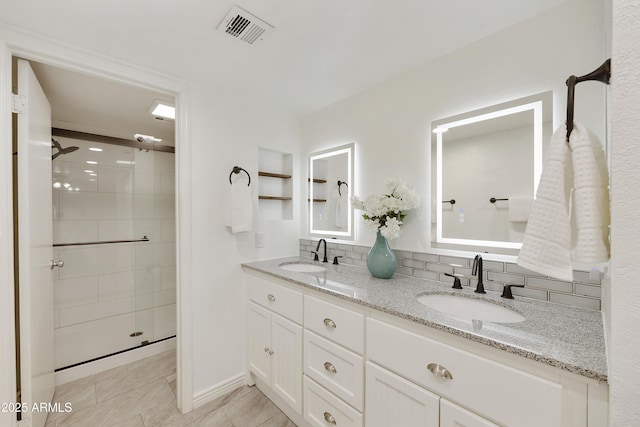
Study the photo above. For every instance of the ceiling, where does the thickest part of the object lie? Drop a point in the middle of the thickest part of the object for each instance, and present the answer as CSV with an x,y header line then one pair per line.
x,y
321,51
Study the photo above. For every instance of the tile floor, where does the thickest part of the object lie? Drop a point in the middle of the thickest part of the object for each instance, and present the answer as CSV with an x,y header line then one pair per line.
x,y
142,394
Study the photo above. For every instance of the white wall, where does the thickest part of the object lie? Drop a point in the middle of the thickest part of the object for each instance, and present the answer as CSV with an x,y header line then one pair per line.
x,y
622,293
224,133
390,122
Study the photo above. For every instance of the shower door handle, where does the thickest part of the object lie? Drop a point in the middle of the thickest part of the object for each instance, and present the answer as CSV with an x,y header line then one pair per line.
x,y
59,264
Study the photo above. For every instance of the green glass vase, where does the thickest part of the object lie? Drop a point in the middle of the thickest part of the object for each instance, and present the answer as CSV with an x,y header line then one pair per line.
x,y
381,261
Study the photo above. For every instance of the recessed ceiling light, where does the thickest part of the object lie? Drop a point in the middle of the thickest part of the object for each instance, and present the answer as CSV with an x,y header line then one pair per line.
x,y
92,162
95,149
163,110
124,162
88,171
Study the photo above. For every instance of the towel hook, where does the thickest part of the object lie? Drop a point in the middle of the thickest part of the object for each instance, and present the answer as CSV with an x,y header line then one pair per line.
x,y
601,74
340,184
238,169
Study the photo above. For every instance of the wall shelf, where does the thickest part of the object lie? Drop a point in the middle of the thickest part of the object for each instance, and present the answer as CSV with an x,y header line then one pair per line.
x,y
273,198
274,175
316,180
318,200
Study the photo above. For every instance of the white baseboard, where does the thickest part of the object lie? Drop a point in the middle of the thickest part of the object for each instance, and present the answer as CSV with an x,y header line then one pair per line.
x,y
95,367
218,390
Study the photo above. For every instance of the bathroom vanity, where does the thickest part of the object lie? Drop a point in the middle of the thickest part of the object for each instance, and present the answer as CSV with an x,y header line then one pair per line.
x,y
330,345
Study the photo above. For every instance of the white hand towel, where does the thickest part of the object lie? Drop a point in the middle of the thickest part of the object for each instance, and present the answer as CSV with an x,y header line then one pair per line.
x,y
520,208
240,212
551,240
341,214
590,199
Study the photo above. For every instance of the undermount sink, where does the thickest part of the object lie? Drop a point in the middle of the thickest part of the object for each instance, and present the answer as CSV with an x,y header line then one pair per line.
x,y
302,267
470,308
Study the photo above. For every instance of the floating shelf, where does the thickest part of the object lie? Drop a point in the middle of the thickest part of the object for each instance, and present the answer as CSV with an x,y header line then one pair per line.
x,y
274,175
273,198
318,200
319,181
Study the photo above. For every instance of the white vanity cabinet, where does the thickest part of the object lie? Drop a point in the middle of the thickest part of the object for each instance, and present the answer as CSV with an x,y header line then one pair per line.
x,y
333,364
275,342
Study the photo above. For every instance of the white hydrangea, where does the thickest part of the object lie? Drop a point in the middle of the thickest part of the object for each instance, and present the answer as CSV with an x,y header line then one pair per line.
x,y
385,212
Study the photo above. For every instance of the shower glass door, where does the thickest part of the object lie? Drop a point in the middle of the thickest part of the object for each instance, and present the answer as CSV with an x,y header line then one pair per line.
x,y
114,228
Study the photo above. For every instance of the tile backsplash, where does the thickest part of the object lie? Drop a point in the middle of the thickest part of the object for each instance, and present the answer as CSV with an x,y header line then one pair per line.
x,y
583,292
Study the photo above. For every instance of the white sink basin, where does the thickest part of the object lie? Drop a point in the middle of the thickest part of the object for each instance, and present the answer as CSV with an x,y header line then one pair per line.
x,y
470,308
302,267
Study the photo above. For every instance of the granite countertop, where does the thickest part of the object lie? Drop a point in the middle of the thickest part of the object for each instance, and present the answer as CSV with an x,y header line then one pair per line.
x,y
565,337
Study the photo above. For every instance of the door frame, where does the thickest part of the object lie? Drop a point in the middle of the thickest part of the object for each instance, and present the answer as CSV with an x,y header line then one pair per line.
x,y
30,47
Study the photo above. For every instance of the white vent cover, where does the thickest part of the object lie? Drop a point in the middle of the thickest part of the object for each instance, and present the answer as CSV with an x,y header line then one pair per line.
x,y
244,26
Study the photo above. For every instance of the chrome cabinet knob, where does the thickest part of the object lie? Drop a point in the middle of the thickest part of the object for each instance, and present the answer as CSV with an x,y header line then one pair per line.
x,y
59,264
329,418
271,298
328,366
439,371
329,323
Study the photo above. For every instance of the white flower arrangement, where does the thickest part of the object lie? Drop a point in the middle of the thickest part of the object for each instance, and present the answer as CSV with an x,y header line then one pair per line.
x,y
386,212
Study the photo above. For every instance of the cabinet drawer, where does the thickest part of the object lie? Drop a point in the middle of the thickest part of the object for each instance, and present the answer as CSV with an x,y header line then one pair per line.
x,y
338,324
285,302
452,415
499,392
337,369
322,409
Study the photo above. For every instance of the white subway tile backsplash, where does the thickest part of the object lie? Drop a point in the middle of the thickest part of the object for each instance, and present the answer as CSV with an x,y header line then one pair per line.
x,y
511,279
576,301
496,274
550,284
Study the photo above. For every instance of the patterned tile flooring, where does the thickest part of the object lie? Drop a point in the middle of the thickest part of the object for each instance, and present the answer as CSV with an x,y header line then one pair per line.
x,y
142,394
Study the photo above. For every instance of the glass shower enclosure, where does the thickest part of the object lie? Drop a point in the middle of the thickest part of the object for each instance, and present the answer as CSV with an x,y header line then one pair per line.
x,y
114,228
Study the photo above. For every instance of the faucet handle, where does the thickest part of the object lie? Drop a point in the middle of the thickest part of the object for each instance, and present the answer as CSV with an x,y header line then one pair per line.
x,y
506,291
335,259
315,256
456,281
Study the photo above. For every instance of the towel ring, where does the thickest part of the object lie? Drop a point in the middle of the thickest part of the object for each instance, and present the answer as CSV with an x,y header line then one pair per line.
x,y
238,169
340,184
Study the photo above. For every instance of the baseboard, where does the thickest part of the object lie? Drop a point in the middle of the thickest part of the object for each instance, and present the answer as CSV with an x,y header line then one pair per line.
x,y
218,390
101,365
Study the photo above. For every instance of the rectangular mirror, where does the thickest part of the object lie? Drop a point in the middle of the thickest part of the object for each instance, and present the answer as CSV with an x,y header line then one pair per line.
x,y
486,165
331,185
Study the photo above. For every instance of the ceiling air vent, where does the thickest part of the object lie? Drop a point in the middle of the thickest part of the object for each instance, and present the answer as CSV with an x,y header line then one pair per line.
x,y
244,26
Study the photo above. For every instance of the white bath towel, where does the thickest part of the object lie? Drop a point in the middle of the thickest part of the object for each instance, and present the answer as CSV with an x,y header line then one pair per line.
x,y
563,226
520,208
240,212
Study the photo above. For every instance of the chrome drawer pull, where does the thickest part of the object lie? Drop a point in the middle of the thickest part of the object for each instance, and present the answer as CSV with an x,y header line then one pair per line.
x,y
329,323
439,371
328,366
329,418
271,298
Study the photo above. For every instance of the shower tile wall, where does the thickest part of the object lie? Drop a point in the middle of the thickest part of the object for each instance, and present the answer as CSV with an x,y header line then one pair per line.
x,y
105,292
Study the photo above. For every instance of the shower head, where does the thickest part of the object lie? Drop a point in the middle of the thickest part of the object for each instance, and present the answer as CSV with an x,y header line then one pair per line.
x,y
61,150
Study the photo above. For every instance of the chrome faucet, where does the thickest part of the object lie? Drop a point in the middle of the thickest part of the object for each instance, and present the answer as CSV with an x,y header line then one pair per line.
x,y
476,270
324,258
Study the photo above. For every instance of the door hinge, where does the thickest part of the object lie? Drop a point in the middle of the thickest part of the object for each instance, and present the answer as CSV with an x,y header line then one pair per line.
x,y
18,104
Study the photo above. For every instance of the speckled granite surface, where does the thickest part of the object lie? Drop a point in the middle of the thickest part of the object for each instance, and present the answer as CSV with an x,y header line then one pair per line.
x,y
565,337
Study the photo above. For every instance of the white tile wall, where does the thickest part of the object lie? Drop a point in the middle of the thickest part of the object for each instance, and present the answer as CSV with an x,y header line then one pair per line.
x,y
100,287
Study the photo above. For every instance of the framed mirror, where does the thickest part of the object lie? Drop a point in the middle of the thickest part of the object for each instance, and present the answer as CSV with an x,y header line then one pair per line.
x,y
486,165
331,185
